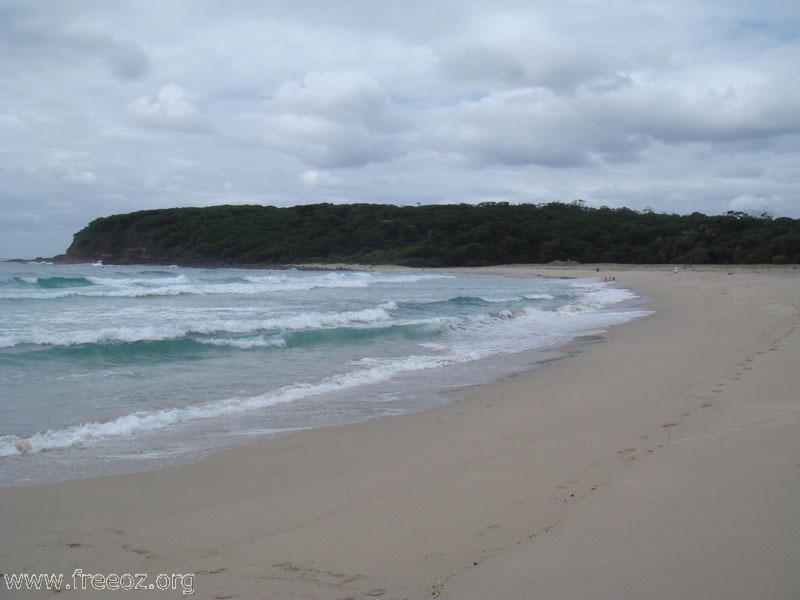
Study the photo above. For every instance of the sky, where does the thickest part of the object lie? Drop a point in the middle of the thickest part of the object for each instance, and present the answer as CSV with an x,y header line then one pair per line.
x,y
112,106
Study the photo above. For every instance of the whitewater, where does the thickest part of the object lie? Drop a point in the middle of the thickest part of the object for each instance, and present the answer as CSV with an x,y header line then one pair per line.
x,y
112,369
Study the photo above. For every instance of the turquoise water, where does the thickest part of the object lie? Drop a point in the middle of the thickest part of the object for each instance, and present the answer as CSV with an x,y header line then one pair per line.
x,y
107,369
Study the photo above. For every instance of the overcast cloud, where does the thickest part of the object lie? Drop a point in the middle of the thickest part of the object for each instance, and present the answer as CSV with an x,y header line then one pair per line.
x,y
110,106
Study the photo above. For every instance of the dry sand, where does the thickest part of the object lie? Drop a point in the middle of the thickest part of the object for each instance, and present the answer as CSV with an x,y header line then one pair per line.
x,y
662,464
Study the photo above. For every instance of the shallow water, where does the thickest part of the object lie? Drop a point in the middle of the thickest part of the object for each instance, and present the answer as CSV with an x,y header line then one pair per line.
x,y
109,369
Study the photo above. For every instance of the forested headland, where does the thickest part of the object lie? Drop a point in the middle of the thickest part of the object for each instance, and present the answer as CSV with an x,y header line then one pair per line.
x,y
433,236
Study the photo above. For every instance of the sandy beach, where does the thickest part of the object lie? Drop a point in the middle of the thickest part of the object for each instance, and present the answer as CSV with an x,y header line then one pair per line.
x,y
661,464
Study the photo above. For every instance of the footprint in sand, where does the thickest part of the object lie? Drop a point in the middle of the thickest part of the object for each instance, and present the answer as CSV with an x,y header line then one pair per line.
x,y
139,551
487,529
210,571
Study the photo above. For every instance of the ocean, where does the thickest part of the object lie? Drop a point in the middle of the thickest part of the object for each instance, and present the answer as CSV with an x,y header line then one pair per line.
x,y
113,369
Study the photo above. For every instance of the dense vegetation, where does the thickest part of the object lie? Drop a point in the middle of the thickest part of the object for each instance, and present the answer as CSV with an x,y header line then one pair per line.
x,y
435,235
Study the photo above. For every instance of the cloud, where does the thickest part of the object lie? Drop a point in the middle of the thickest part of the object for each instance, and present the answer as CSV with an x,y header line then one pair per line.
x,y
333,120
679,106
536,126
739,112
315,178
172,108
508,51
128,60
85,177
752,204
609,124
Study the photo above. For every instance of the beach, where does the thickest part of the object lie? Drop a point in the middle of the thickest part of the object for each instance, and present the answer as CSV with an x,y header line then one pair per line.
x,y
663,463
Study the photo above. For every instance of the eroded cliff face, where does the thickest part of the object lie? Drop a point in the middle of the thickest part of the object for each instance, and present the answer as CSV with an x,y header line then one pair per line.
x,y
118,240
143,237
91,244
111,253
131,252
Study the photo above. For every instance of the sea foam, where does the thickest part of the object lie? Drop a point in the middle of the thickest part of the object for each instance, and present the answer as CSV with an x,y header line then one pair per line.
x,y
101,361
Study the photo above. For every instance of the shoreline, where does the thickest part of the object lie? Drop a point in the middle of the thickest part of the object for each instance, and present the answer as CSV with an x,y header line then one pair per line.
x,y
534,360
444,501
409,392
